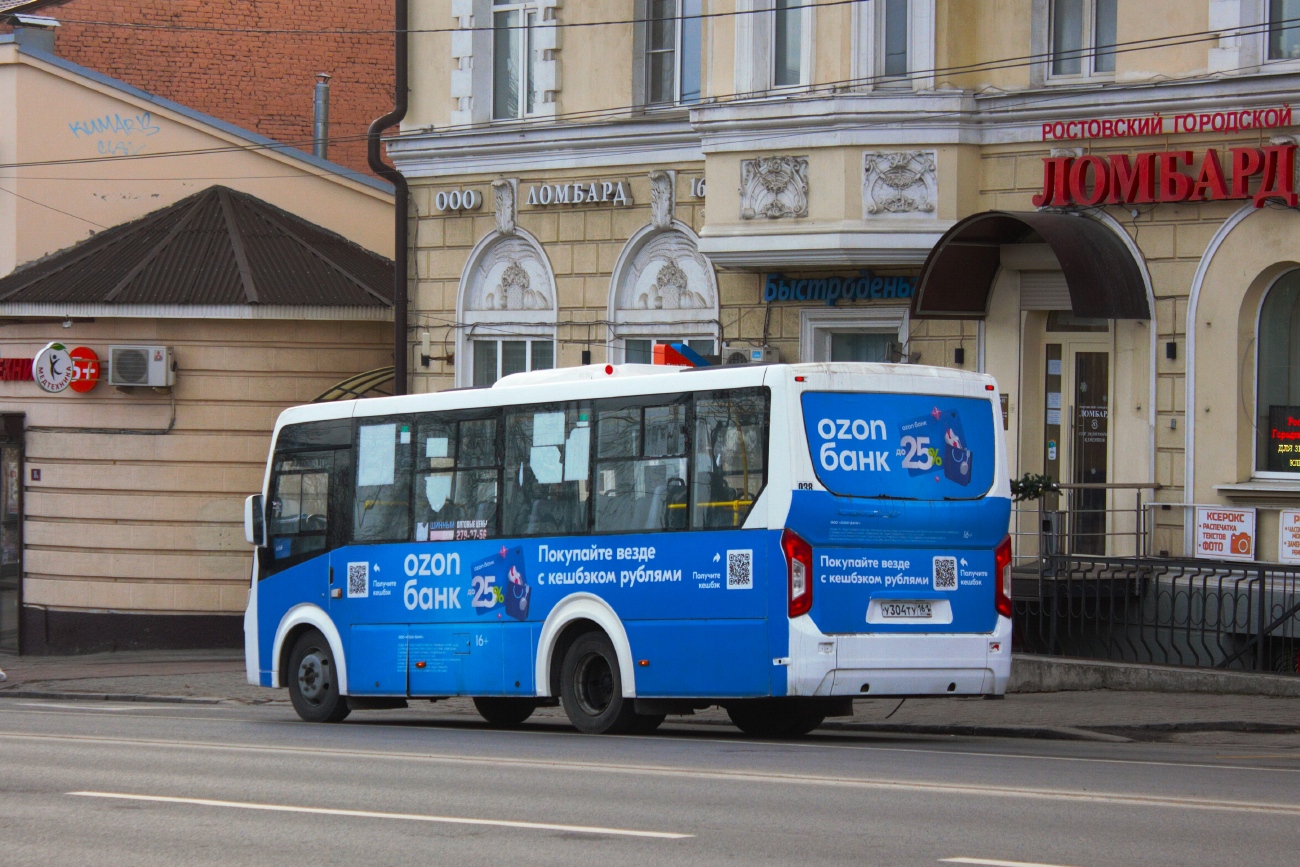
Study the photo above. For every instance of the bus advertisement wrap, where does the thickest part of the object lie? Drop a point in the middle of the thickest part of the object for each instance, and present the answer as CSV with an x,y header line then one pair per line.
x,y
901,446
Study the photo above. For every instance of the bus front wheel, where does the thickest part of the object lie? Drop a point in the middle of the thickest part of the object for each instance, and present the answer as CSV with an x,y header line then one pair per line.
x,y
313,686
774,718
591,688
505,712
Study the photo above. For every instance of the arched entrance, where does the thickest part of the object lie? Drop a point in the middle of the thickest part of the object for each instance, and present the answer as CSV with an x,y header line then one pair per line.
x,y
1065,304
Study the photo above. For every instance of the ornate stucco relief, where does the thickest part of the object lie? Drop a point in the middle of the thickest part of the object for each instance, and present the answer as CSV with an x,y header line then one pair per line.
x,y
663,201
505,203
511,276
773,187
899,183
667,273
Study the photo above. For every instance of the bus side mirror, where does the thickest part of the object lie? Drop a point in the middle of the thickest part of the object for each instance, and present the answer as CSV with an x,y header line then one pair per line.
x,y
254,524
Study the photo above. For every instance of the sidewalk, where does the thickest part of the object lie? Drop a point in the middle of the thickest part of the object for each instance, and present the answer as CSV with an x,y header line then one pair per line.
x,y
1091,714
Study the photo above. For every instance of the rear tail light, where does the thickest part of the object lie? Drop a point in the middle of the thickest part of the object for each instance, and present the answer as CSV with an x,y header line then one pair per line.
x,y
1002,568
798,558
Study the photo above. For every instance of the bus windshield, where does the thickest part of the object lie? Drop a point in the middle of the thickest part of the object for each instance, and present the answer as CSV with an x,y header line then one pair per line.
x,y
901,446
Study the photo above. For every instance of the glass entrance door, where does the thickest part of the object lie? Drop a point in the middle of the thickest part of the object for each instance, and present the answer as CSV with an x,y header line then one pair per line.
x,y
11,545
1090,449
1076,435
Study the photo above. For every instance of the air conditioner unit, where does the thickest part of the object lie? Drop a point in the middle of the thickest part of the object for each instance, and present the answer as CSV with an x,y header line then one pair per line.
x,y
143,366
744,353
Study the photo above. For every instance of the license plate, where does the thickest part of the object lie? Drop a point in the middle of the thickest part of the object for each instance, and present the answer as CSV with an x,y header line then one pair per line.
x,y
914,610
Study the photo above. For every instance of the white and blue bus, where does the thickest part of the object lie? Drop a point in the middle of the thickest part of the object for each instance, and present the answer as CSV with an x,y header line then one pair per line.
x,y
631,541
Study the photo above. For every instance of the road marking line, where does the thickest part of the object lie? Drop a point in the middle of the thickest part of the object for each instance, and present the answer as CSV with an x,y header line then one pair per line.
x,y
368,814
673,738
987,863
295,723
113,708
970,789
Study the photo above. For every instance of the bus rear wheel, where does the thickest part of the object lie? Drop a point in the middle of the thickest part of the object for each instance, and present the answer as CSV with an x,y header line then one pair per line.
x,y
313,686
505,712
591,688
774,718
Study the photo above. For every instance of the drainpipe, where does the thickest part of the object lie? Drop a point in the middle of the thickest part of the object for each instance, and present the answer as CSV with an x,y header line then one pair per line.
x,y
320,143
400,228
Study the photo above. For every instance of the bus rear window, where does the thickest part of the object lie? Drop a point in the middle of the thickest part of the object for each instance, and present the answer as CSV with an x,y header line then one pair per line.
x,y
901,446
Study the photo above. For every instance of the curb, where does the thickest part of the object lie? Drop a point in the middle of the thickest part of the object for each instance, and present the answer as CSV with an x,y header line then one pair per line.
x,y
1056,674
107,696
1185,727
1042,733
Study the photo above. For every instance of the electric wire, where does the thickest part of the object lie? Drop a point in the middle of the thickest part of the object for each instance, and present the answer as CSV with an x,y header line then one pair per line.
x,y
615,113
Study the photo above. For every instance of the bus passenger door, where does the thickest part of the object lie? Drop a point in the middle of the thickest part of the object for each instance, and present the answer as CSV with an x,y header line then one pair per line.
x,y
456,659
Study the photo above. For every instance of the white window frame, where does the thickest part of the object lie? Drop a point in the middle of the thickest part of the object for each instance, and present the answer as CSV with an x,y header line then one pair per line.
x,y
1088,55
1274,63
1255,472
527,70
868,49
817,325
756,46
679,58
529,339
678,337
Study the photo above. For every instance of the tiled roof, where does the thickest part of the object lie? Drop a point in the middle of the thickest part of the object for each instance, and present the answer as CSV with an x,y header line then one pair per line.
x,y
215,247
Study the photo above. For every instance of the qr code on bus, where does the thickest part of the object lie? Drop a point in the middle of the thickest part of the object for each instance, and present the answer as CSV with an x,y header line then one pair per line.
x,y
358,580
740,570
945,573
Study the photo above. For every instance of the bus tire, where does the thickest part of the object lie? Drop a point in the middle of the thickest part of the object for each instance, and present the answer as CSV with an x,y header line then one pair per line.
x,y
505,712
774,718
313,686
591,687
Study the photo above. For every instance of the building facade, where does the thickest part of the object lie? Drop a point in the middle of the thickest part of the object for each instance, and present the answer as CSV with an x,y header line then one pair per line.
x,y
262,272
1093,200
253,65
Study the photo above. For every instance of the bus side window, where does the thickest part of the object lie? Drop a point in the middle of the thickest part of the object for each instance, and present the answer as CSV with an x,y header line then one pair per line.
x,y
298,511
640,468
548,456
730,467
457,479
381,504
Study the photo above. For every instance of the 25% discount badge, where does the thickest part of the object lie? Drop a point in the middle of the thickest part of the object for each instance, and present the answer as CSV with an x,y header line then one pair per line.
x,y
57,368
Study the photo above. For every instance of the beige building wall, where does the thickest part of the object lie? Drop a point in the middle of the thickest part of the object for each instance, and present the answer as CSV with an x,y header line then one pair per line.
x,y
153,524
989,154
74,133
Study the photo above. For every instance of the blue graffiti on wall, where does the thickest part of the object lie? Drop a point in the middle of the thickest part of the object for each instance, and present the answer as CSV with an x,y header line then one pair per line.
x,y
115,135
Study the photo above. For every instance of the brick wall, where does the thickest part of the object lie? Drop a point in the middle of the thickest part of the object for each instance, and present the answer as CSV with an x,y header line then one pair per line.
x,y
262,82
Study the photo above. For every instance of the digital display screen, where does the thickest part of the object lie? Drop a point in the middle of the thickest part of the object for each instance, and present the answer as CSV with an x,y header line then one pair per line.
x,y
1284,439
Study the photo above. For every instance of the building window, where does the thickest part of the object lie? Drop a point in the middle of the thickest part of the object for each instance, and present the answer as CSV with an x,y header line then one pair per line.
x,y
673,51
894,43
638,350
875,334
1083,37
1284,30
494,359
1278,394
787,44
514,59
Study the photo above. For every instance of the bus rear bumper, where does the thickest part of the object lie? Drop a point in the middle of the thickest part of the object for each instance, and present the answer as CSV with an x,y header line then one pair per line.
x,y
899,665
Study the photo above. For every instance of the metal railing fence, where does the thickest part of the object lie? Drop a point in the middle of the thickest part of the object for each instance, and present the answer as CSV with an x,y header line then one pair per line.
x,y
1203,613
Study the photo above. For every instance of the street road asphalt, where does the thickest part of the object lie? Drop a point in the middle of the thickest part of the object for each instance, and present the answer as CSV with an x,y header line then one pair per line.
x,y
93,782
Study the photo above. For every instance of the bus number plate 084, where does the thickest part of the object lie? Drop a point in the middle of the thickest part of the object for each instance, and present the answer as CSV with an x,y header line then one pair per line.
x,y
910,610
